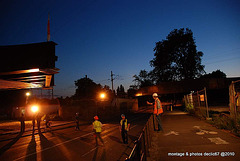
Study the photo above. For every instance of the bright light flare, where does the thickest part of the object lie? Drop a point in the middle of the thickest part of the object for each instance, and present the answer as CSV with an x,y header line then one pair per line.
x,y
28,94
138,94
102,95
34,109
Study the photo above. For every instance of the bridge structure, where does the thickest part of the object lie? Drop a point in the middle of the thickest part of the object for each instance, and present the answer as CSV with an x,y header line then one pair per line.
x,y
28,66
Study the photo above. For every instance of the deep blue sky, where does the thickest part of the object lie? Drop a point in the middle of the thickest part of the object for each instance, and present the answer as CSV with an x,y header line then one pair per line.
x,y
96,37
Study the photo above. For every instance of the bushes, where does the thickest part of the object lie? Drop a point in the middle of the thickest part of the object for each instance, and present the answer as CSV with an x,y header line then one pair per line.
x,y
189,108
223,121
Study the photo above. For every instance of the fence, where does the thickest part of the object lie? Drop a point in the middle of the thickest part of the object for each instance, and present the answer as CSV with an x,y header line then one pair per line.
x,y
234,99
141,147
198,101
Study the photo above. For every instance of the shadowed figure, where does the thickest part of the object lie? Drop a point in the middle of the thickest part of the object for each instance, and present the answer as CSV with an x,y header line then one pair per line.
x,y
116,139
10,144
104,155
31,154
47,155
95,154
22,120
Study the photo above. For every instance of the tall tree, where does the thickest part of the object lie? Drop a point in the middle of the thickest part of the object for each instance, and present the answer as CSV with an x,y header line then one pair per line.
x,y
177,58
121,91
86,88
144,79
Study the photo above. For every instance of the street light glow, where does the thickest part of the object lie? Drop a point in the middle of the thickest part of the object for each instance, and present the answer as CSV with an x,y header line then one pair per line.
x,y
34,108
28,94
102,95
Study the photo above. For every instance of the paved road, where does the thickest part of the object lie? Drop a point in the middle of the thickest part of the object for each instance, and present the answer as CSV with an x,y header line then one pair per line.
x,y
188,138
67,144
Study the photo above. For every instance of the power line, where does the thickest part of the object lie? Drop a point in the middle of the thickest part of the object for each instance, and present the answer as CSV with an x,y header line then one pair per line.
x,y
219,61
226,52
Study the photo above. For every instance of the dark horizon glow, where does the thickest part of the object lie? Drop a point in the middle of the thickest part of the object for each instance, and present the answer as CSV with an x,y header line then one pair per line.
x,y
96,37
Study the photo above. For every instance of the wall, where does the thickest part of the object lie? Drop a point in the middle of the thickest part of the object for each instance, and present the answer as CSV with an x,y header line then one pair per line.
x,y
87,109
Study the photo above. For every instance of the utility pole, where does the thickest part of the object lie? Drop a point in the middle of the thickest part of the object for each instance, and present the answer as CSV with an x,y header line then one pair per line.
x,y
112,79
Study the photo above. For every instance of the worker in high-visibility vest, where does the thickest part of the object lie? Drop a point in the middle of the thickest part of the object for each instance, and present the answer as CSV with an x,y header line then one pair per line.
x,y
97,128
124,128
157,110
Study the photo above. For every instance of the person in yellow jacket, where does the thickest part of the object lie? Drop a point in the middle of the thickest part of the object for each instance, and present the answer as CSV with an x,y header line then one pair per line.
x,y
97,128
157,111
124,128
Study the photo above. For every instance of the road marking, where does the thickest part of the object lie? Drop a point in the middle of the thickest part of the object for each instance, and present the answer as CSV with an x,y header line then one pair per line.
x,y
202,132
54,146
92,150
172,132
218,140
69,141
89,151
61,144
104,142
213,132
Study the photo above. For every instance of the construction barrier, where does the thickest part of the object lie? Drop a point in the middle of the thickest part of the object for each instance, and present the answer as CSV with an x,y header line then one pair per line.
x,y
141,147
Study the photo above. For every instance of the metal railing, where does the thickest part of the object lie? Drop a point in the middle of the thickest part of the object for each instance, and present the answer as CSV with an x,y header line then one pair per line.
x,y
141,147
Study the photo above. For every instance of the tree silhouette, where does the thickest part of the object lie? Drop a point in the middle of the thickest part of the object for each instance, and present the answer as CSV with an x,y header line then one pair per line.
x,y
121,91
177,57
86,88
215,74
144,79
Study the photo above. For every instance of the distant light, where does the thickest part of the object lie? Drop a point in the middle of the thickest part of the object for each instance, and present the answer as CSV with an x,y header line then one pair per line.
x,y
139,94
28,94
34,108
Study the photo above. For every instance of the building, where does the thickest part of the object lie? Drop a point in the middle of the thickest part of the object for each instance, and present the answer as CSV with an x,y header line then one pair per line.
x,y
28,66
217,90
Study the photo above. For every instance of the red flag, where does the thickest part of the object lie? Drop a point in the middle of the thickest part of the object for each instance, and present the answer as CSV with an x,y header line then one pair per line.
x,y
48,29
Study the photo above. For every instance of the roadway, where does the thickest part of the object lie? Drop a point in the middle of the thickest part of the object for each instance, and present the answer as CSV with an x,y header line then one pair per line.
x,y
65,143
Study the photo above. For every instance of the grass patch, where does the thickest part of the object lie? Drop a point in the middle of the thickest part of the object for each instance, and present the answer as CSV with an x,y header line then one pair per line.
x,y
224,121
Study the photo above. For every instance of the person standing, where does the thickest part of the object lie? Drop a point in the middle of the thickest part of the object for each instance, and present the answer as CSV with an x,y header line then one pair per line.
x,y
22,119
157,110
97,128
39,122
48,122
124,128
33,123
77,119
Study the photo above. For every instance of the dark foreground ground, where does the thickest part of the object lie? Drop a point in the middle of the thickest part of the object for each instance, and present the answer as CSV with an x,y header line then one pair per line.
x,y
188,138
64,143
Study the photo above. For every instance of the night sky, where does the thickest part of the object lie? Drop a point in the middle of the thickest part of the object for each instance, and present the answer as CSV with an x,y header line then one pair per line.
x,y
96,37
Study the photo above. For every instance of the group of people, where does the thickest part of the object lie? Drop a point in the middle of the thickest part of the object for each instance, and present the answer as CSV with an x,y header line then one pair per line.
x,y
97,128
125,124
124,128
97,125
46,119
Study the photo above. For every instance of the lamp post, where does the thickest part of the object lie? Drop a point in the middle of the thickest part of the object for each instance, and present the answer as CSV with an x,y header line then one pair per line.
x,y
27,96
102,97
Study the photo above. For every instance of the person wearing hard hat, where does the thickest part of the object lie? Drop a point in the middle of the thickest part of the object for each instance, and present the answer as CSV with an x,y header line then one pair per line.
x,y
97,128
157,110
124,128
